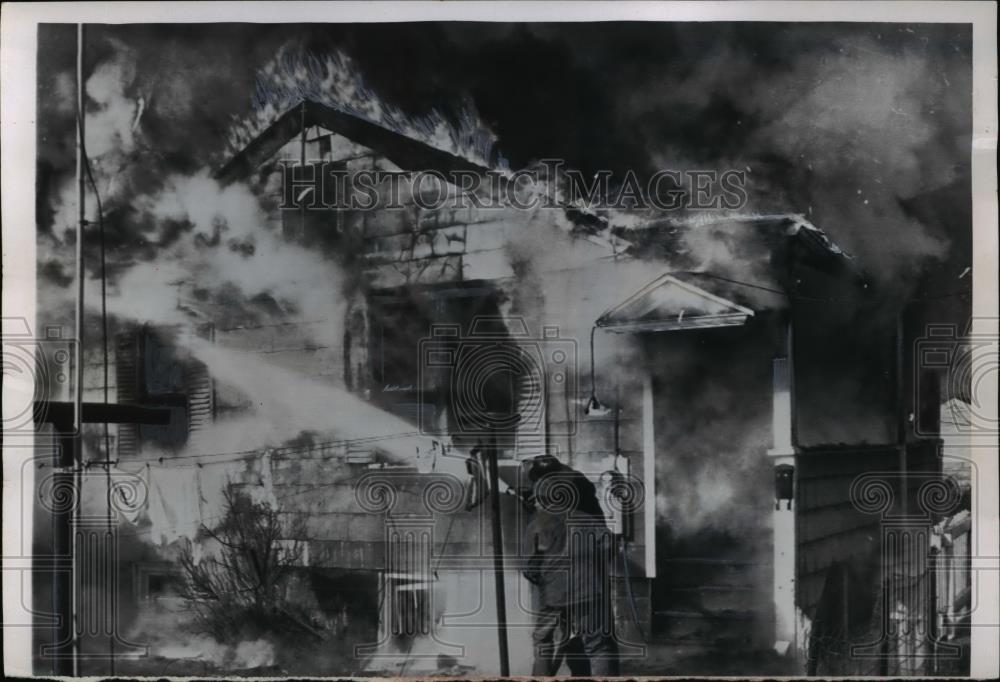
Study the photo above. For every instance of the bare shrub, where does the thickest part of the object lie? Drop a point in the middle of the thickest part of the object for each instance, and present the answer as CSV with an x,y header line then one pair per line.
x,y
240,591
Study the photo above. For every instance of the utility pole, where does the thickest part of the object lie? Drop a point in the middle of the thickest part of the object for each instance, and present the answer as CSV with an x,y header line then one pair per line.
x,y
491,452
63,647
62,417
67,420
66,493
74,459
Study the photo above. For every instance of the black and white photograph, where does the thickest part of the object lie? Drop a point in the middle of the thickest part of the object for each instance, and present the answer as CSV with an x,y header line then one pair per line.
x,y
467,339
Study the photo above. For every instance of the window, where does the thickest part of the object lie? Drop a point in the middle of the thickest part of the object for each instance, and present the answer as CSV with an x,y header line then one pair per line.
x,y
156,580
409,607
423,390
398,323
406,583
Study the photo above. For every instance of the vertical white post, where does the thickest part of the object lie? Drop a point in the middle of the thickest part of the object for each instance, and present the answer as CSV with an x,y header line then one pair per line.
x,y
649,475
783,537
781,416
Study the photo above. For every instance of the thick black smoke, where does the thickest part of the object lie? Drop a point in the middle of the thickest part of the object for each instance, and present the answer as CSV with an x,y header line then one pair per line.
x,y
840,122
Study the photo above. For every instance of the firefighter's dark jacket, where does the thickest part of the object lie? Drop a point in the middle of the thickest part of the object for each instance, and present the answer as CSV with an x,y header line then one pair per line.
x,y
567,545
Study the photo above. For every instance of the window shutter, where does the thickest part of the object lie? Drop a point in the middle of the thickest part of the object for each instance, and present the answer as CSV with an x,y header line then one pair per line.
x,y
200,396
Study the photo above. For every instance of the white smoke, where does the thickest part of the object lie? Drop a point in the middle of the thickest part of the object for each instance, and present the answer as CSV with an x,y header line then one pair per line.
x,y
286,403
169,636
227,245
112,126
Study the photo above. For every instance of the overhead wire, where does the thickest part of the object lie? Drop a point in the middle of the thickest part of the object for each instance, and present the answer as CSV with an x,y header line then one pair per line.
x,y
279,451
81,113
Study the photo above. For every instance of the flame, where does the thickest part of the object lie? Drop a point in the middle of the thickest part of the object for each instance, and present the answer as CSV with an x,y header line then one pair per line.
x,y
335,81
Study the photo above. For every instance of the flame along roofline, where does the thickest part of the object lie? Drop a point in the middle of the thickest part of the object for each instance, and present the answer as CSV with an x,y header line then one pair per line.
x,y
406,152
414,155
826,254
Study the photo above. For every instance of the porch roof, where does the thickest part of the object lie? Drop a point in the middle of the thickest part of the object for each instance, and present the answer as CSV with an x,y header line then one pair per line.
x,y
724,269
674,301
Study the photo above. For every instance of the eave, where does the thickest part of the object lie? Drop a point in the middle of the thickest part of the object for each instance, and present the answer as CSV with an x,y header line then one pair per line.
x,y
405,152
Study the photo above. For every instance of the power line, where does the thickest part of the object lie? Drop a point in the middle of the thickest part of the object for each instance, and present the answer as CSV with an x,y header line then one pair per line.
x,y
281,450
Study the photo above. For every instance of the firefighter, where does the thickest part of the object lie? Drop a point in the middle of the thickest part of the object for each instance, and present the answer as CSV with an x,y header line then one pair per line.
x,y
569,552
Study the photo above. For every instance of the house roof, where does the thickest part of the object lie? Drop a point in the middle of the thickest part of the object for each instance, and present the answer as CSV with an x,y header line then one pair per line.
x,y
407,153
723,270
776,239
758,250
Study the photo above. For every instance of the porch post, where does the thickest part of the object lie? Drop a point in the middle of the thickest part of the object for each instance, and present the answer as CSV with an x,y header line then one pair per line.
x,y
782,456
649,476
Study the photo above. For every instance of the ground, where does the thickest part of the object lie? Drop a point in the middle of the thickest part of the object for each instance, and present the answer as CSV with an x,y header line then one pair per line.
x,y
690,659
661,660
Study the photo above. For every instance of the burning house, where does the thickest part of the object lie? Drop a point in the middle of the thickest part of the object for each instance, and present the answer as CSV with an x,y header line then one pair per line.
x,y
712,379
736,388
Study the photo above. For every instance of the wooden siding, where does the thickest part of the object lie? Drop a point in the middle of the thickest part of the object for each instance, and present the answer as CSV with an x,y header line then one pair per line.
x,y
841,566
